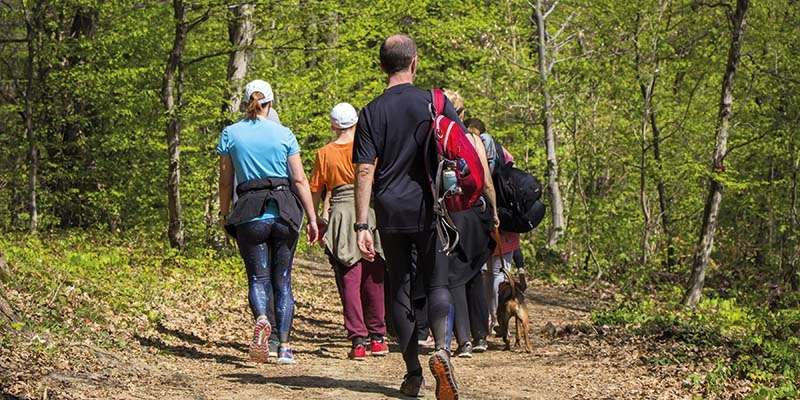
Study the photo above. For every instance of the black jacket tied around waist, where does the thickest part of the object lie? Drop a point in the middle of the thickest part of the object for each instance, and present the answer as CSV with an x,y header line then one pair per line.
x,y
255,194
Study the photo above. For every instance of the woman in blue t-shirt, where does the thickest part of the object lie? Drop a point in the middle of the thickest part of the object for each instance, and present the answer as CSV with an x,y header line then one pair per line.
x,y
273,194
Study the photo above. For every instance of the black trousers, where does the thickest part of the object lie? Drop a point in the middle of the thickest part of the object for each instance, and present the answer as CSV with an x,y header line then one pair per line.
x,y
398,250
471,312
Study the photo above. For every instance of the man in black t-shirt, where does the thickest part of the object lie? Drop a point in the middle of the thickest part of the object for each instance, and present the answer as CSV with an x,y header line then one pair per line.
x,y
389,150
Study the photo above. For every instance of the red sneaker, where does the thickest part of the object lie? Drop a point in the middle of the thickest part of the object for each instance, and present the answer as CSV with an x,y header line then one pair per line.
x,y
378,347
358,353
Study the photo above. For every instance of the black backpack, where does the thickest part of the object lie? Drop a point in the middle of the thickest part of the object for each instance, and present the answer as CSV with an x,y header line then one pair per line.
x,y
518,197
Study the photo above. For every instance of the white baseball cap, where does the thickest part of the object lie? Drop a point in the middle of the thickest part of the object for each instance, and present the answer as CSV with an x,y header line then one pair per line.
x,y
343,116
259,86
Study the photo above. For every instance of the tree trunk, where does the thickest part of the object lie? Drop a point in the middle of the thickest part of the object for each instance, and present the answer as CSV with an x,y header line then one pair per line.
x,y
556,230
791,276
171,96
33,154
663,202
711,211
241,33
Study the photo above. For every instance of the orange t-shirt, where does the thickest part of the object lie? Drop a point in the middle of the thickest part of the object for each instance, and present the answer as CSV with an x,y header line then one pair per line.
x,y
334,167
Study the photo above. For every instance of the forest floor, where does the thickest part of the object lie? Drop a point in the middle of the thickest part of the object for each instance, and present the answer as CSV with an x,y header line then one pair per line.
x,y
198,351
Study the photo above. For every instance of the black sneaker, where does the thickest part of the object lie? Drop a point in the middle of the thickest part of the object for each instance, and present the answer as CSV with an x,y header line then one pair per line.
x,y
464,351
412,385
442,370
481,345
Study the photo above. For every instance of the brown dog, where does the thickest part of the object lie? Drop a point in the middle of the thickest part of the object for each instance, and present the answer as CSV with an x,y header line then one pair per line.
x,y
511,304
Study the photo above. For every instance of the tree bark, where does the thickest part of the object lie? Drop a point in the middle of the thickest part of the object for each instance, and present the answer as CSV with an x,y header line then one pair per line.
x,y
171,96
714,199
241,33
556,230
791,277
33,153
663,202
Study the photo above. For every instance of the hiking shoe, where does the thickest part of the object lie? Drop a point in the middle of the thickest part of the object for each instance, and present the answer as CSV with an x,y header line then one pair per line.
x,y
274,344
358,352
427,343
481,345
412,385
464,351
285,356
442,370
259,347
378,347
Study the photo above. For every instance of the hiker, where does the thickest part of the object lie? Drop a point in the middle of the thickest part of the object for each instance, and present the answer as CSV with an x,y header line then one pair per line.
x,y
390,152
273,194
471,316
360,282
504,252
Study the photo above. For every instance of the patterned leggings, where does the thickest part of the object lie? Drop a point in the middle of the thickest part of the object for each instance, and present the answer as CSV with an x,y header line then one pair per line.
x,y
267,248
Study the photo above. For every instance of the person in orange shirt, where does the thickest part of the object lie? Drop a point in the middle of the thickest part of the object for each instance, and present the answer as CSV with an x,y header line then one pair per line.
x,y
360,282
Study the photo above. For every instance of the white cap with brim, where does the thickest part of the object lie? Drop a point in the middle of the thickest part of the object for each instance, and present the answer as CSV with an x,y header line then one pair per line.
x,y
343,116
259,86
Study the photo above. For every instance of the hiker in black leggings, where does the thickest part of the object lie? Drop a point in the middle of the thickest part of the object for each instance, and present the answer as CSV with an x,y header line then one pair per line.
x,y
470,315
389,151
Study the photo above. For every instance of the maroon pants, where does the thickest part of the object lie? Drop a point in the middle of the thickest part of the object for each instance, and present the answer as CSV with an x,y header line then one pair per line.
x,y
361,290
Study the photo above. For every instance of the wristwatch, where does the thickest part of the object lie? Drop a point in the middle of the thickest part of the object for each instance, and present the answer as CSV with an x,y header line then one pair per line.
x,y
360,227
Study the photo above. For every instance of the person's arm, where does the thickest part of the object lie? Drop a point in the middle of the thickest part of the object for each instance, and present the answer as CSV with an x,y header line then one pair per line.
x,y
488,184
365,173
225,186
300,183
316,198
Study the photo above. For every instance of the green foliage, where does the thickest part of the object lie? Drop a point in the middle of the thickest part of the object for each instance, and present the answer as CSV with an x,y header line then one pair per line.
x,y
749,343
79,281
100,134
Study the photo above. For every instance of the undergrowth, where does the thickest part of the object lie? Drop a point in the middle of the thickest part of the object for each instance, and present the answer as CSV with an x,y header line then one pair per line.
x,y
747,343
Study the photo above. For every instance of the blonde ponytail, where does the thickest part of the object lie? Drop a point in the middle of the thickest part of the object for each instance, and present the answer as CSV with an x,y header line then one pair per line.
x,y
254,107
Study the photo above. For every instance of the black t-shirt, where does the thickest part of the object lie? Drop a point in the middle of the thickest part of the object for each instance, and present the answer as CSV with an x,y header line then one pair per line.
x,y
393,129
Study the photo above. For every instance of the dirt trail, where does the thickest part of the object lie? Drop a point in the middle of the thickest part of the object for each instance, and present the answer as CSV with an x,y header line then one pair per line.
x,y
200,353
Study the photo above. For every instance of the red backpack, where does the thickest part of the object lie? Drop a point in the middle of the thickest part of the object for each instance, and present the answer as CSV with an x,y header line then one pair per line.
x,y
459,181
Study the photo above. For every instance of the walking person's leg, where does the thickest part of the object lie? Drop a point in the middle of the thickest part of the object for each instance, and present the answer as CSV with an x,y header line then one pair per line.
x,y
436,274
348,280
478,312
397,249
461,321
372,301
251,239
282,242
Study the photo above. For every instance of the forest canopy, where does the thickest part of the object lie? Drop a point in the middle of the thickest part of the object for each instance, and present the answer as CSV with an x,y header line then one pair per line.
x,y
110,112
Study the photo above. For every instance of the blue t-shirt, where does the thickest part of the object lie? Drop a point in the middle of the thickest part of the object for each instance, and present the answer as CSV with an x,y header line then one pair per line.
x,y
259,149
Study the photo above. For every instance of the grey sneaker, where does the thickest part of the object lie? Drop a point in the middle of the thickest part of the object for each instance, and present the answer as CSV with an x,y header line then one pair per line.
x,y
273,347
481,345
412,385
285,355
464,351
442,370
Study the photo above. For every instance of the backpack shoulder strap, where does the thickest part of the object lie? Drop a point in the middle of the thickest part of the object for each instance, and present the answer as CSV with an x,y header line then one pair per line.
x,y
437,100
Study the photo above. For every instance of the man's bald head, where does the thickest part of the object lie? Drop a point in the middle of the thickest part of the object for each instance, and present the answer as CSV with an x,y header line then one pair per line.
x,y
397,52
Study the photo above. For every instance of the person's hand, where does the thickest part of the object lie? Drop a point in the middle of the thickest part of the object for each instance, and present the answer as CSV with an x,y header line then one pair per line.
x,y
496,221
322,227
366,245
312,232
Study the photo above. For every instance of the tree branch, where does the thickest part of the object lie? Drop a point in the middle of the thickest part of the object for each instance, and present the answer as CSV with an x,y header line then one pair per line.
x,y
550,10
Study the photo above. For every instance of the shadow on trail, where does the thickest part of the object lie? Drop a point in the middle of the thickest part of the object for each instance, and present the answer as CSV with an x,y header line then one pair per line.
x,y
555,302
321,323
314,382
194,339
189,352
